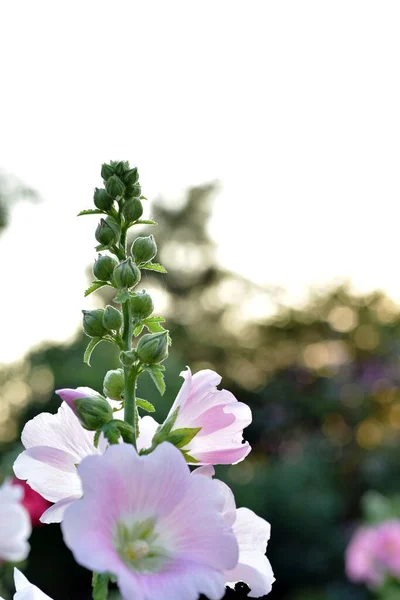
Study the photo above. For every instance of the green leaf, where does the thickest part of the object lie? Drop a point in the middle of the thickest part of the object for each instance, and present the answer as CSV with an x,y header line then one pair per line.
x,y
154,326
182,437
91,211
138,329
122,296
147,406
164,430
154,267
158,378
90,347
155,319
146,221
96,285
189,458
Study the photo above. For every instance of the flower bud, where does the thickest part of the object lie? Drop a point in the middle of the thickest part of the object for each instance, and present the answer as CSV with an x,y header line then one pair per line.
x,y
144,249
102,200
115,187
107,232
106,171
126,274
114,384
130,177
112,318
142,305
153,347
103,267
133,191
93,412
115,429
93,323
120,167
132,210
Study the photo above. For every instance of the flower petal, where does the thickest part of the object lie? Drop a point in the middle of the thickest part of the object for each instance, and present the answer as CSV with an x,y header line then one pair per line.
x,y
55,513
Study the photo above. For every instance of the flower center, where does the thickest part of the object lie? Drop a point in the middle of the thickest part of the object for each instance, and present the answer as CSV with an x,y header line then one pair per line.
x,y
138,546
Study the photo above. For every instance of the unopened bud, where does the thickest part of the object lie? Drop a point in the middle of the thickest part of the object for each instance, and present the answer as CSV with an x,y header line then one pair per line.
x,y
102,200
106,171
103,267
144,249
93,412
120,167
93,323
112,318
114,384
126,274
153,347
131,177
142,305
115,186
133,191
107,232
132,210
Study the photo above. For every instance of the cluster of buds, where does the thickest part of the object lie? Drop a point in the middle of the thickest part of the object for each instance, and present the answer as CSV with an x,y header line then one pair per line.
x,y
120,266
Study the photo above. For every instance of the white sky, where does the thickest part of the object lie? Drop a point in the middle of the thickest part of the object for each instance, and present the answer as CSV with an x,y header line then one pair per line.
x,y
294,106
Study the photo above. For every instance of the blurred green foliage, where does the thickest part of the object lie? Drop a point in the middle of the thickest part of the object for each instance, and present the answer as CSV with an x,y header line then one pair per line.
x,y
322,381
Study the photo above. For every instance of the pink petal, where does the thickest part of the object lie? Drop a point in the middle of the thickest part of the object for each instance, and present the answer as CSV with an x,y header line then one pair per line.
x,y
223,456
206,470
147,429
55,513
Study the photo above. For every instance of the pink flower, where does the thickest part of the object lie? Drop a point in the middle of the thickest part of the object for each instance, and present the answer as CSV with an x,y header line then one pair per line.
x,y
26,590
252,534
221,418
387,547
145,519
34,503
15,524
361,561
55,445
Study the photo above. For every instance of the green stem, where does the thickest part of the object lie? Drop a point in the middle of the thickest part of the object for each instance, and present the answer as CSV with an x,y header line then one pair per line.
x,y
100,586
130,374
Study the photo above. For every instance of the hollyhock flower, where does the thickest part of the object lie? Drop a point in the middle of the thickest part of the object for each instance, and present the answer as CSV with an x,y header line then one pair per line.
x,y
387,546
252,534
34,503
146,520
15,525
55,445
24,590
361,562
219,415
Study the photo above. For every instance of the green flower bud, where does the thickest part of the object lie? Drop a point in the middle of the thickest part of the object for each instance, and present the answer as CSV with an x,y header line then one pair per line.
x,y
128,358
142,305
103,267
120,167
133,191
102,200
115,187
132,210
126,274
112,318
131,177
107,171
153,347
93,412
93,323
107,232
144,249
115,429
114,384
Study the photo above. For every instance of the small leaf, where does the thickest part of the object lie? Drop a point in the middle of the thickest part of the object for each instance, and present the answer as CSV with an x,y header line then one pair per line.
x,y
155,319
146,221
154,326
90,347
158,378
154,267
138,329
182,437
122,296
91,211
147,406
96,285
188,458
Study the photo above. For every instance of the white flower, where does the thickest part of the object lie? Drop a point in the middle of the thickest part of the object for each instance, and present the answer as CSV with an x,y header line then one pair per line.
x,y
15,524
24,590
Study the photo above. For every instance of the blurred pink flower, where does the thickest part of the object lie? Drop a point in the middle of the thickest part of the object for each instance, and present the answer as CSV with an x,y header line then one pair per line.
x,y
387,547
15,525
34,503
24,590
221,418
55,445
361,562
145,519
252,534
